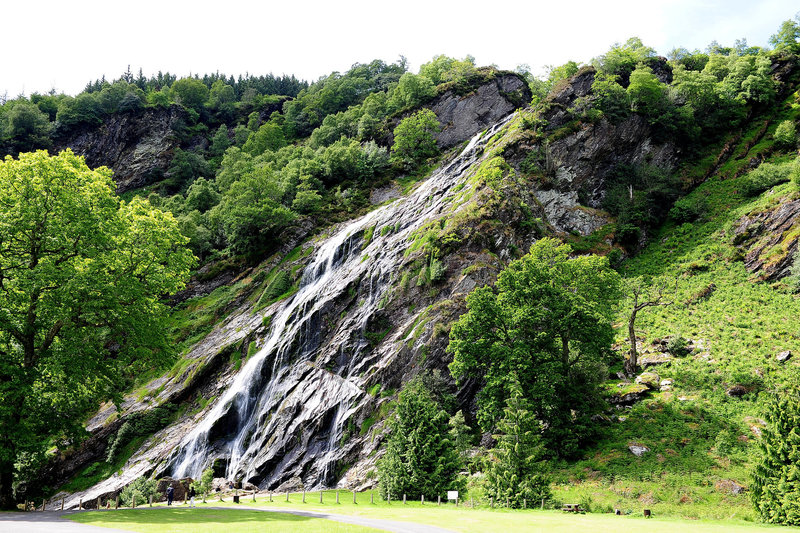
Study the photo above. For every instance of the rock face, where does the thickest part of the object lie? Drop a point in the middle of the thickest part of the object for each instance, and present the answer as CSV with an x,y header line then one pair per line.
x,y
461,117
138,147
760,233
304,408
578,159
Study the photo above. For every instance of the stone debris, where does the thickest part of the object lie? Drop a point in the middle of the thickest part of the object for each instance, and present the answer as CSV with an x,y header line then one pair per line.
x,y
638,450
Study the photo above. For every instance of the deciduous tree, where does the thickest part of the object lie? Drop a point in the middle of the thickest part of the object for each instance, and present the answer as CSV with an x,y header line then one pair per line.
x,y
81,279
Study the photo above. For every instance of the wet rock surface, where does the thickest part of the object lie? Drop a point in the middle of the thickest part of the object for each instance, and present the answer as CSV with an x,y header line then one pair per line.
x,y
461,117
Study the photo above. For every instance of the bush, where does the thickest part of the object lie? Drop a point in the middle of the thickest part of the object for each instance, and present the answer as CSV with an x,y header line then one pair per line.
x,y
786,135
414,140
688,209
140,490
766,176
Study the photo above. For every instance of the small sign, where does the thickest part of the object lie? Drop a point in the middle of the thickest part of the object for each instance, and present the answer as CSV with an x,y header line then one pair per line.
x,y
452,494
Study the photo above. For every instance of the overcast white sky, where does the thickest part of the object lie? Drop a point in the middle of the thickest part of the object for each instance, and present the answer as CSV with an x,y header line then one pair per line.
x,y
65,44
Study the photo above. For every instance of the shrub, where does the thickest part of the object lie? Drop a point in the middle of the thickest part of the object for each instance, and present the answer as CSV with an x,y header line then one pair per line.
x,y
768,175
786,135
140,490
688,209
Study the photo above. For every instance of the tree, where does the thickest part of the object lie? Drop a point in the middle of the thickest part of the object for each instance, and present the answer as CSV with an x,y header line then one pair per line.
x,y
411,91
28,127
414,138
775,490
547,323
788,36
515,470
420,460
81,279
642,296
190,93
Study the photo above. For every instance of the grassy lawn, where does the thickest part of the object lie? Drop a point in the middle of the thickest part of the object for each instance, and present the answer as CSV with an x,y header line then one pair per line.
x,y
447,516
210,521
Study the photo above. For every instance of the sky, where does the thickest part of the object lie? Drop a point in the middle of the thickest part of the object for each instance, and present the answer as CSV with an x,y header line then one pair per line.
x,y
66,44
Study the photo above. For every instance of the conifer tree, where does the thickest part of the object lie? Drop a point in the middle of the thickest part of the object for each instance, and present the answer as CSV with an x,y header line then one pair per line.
x,y
420,458
775,489
515,470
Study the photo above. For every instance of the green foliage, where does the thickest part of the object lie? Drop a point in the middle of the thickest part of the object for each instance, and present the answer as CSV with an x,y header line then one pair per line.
x,y
639,197
276,287
775,489
268,137
139,490
27,127
203,486
611,98
788,37
83,109
191,93
138,425
546,323
767,175
88,302
250,213
688,209
412,91
786,135
623,59
442,69
419,459
414,138
185,167
515,470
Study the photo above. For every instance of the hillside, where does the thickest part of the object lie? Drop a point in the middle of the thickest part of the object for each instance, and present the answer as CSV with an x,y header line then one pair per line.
x,y
333,264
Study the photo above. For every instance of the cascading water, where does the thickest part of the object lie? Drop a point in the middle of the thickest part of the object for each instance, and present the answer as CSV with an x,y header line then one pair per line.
x,y
267,398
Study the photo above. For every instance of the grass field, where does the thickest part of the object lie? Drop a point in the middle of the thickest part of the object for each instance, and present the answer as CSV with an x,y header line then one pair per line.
x,y
447,516
185,520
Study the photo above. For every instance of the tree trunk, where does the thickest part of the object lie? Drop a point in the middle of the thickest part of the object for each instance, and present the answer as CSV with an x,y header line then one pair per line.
x,y
6,485
632,362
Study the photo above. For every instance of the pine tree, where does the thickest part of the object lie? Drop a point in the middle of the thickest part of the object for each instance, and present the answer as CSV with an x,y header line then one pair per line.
x,y
420,459
775,489
514,470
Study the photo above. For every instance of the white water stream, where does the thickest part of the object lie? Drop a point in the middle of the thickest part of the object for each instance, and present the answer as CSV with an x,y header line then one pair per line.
x,y
279,388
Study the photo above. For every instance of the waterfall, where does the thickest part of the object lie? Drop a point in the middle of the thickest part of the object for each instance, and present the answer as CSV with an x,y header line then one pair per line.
x,y
246,423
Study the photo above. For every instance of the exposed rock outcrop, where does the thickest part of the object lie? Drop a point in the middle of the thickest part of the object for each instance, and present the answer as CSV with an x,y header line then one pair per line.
x,y
137,146
761,233
461,117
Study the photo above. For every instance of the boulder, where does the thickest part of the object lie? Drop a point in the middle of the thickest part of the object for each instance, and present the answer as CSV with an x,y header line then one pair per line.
x,y
737,391
648,379
665,385
638,450
729,486
628,395
784,356
180,487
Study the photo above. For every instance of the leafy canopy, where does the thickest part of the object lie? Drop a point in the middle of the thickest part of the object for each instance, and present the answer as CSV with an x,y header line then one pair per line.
x,y
546,323
81,280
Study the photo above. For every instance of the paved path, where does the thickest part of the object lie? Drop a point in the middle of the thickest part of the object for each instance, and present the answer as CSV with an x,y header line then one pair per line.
x,y
48,522
55,522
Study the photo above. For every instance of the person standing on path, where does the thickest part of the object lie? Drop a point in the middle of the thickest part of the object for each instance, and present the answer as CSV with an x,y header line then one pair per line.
x,y
191,496
170,494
